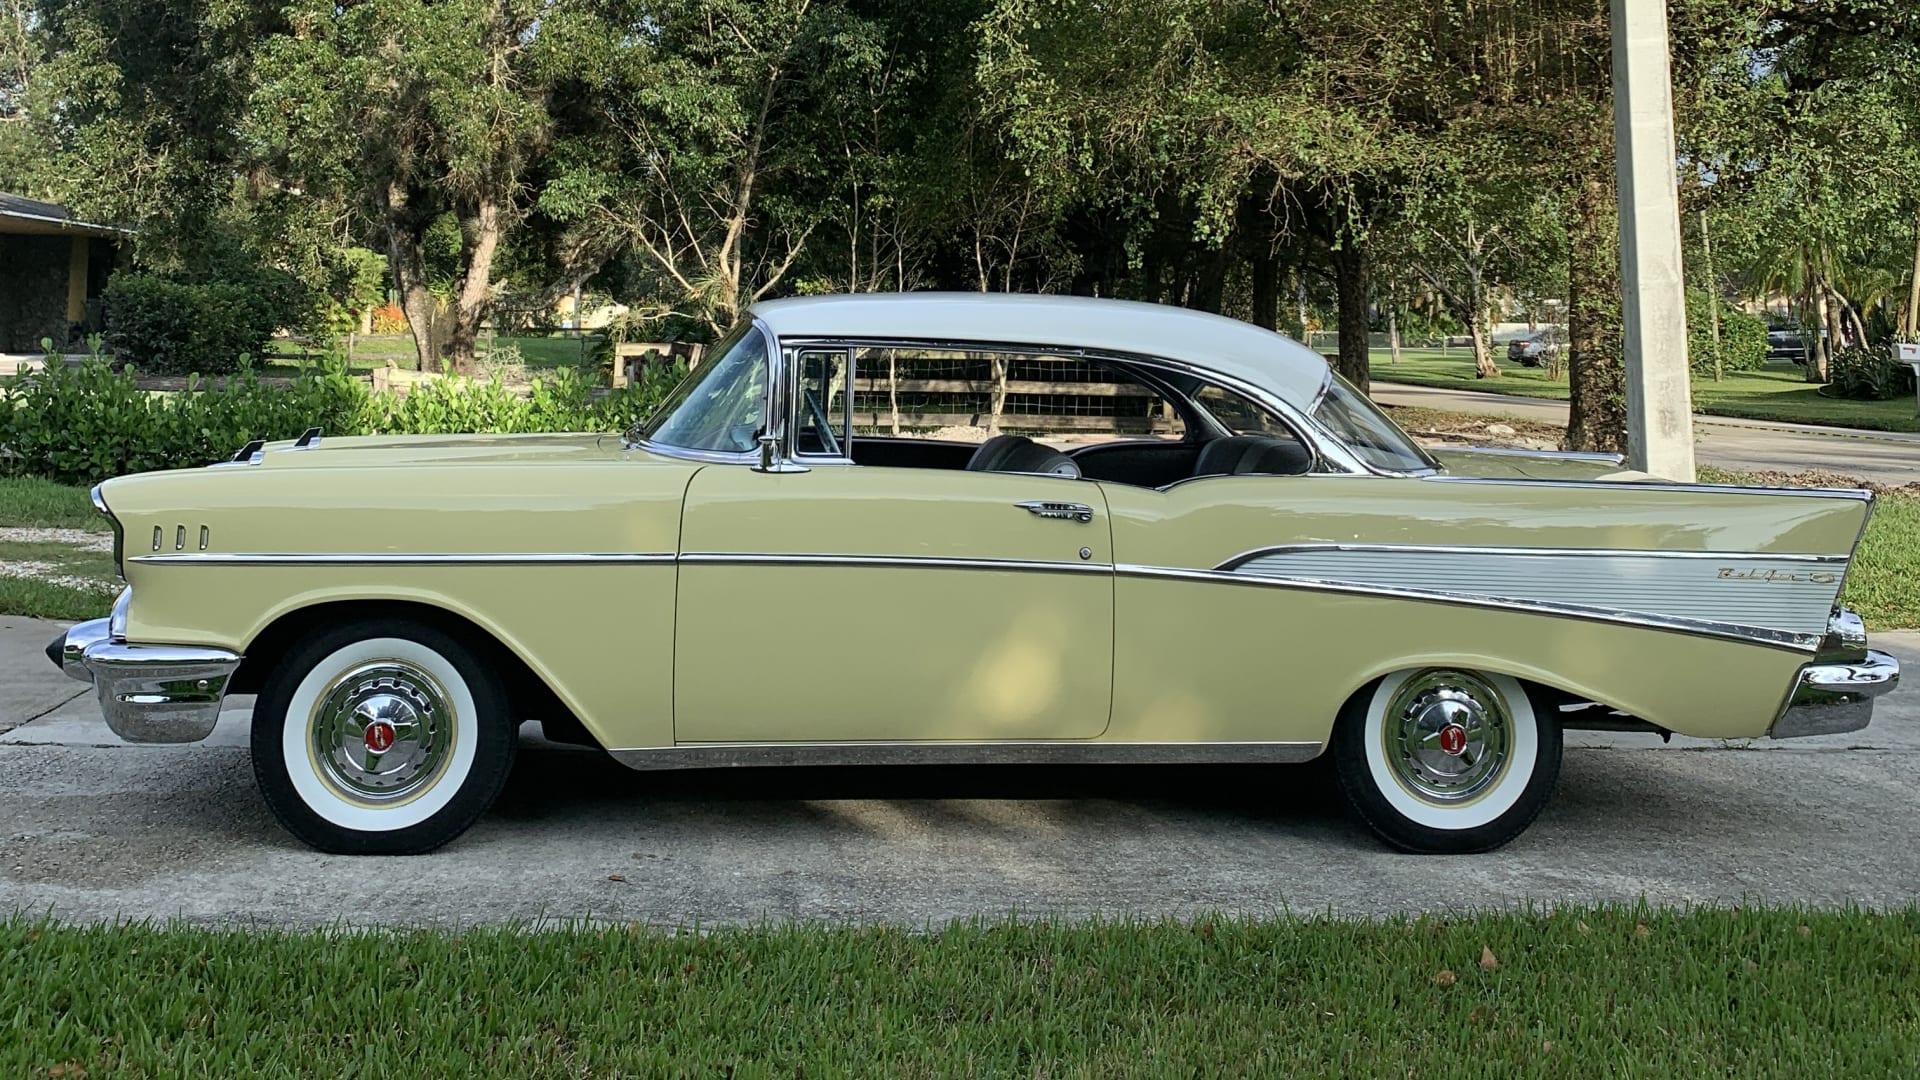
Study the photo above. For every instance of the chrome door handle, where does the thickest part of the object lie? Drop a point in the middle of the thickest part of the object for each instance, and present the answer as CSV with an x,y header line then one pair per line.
x,y
1060,511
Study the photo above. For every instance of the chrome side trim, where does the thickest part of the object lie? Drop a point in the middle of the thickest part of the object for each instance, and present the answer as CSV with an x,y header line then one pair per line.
x,y
1560,455
1733,632
1794,594
478,558
1466,549
1630,485
718,558
736,755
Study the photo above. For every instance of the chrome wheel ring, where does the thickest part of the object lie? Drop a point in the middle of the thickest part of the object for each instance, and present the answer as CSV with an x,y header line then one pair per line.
x,y
1448,735
382,733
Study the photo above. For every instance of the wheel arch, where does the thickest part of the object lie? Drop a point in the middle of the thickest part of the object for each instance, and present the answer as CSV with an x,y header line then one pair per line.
x,y
1547,689
529,694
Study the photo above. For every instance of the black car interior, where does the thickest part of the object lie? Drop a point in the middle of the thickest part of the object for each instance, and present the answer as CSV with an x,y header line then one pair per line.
x,y
1146,463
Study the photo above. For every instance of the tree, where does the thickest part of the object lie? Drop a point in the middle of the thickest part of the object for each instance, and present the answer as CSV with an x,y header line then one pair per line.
x,y
414,112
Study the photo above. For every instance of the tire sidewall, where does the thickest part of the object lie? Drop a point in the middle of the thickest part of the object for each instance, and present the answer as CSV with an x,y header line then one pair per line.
x,y
482,754
1413,824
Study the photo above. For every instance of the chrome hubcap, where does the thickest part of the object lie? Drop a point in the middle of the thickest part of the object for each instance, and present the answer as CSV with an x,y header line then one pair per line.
x,y
1448,735
383,732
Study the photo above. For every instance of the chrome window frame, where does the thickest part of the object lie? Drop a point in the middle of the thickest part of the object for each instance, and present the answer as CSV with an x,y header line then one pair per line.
x,y
792,419
1327,449
770,413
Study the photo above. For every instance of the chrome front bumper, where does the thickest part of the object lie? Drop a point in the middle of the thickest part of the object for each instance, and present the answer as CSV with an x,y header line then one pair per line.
x,y
149,693
1835,694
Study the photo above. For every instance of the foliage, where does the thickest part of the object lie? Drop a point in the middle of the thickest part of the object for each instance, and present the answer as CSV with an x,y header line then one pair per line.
x,y
86,423
1743,337
389,319
1869,374
173,328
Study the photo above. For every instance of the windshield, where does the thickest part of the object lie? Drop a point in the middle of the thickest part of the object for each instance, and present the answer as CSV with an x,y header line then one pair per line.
x,y
722,404
1366,430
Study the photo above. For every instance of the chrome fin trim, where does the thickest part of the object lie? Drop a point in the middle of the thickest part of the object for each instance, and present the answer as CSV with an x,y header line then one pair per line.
x,y
736,755
1029,566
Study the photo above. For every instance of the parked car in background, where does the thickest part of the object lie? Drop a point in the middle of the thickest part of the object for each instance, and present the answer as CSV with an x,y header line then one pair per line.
x,y
1188,541
1537,348
1786,345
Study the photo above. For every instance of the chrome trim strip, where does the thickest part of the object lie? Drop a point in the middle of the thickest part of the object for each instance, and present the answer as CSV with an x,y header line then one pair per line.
x,y
119,534
734,755
1663,485
542,558
1562,455
1467,549
1759,635
718,558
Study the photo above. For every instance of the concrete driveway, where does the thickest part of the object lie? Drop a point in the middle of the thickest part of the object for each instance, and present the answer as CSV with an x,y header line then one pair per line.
x,y
1883,457
92,830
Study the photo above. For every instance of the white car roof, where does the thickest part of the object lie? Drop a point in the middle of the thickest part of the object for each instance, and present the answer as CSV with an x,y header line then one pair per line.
x,y
1233,348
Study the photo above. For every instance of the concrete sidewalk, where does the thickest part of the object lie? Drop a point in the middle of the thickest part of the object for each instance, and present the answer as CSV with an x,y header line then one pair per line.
x,y
1883,457
95,831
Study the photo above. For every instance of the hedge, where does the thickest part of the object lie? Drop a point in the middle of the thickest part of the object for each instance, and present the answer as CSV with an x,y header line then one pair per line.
x,y
171,327
83,424
1743,337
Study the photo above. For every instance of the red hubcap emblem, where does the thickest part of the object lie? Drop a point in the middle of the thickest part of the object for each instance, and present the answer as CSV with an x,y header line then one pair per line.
x,y
1453,740
379,736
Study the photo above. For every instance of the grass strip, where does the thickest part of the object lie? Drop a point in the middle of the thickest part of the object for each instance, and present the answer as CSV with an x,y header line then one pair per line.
x,y
1777,391
30,502
1583,992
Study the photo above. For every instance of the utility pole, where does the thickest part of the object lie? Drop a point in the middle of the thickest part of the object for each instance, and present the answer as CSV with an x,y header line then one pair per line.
x,y
1653,304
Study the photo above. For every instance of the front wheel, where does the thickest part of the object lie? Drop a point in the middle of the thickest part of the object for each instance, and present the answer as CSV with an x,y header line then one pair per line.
x,y
1446,761
381,737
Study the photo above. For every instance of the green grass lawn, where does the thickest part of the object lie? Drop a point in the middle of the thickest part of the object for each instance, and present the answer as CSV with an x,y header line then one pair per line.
x,y
1582,992
373,352
1776,392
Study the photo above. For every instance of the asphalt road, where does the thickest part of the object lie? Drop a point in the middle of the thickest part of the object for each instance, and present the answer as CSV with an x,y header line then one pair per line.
x,y
1883,457
92,831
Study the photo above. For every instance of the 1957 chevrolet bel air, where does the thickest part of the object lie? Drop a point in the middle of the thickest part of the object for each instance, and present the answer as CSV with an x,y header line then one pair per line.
x,y
1130,534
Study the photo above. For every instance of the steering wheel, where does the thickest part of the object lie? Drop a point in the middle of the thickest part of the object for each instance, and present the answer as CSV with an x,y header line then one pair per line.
x,y
827,437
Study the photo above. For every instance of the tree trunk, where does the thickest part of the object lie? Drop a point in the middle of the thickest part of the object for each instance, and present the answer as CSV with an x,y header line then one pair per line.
x,y
1911,324
1596,378
1300,290
1393,328
481,231
1813,334
1483,365
1824,335
893,390
405,228
1265,271
1210,281
1351,282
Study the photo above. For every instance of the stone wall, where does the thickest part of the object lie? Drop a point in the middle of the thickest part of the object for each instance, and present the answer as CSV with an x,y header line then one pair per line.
x,y
33,291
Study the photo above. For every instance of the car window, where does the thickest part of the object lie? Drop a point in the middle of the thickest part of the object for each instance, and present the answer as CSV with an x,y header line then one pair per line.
x,y
821,408
1241,415
1365,430
722,404
971,395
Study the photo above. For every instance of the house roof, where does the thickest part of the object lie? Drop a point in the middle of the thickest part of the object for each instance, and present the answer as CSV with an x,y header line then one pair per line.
x,y
1227,346
23,216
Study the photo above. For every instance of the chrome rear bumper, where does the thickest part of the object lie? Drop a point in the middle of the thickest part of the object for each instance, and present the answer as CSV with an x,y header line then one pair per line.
x,y
1835,694
149,693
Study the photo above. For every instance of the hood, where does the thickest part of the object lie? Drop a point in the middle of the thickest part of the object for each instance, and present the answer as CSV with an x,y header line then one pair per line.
x,y
1534,465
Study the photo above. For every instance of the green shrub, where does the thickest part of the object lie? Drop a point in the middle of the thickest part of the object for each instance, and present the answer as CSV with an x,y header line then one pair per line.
x,y
175,328
80,425
1870,374
1743,337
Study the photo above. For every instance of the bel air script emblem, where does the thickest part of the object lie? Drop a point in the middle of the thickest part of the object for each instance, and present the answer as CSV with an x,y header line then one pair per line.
x,y
1812,577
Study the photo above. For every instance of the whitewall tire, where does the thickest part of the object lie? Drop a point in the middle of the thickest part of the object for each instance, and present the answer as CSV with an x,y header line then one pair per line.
x,y
381,737
1444,760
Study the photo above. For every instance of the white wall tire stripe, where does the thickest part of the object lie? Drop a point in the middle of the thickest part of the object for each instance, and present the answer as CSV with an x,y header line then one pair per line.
x,y
295,737
1522,759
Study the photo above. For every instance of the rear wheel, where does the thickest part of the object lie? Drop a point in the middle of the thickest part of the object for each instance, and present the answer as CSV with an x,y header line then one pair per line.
x,y
1446,761
381,737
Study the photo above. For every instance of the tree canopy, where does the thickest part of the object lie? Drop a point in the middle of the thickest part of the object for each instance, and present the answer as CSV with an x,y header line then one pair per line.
x,y
1297,163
